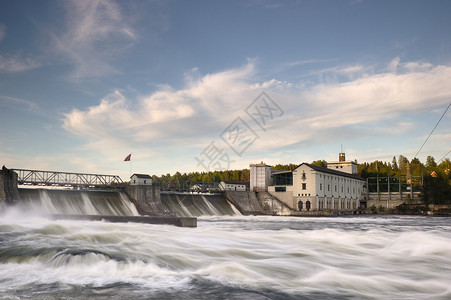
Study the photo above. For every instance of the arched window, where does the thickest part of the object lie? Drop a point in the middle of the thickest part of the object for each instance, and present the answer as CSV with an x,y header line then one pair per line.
x,y
300,205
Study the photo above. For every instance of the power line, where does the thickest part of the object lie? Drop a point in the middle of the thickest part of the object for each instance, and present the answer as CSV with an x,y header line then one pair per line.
x,y
433,130
443,156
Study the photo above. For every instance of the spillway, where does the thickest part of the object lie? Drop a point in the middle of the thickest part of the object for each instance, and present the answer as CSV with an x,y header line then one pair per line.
x,y
74,202
196,205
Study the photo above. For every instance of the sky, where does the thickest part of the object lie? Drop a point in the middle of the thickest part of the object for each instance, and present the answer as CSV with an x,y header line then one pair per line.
x,y
213,85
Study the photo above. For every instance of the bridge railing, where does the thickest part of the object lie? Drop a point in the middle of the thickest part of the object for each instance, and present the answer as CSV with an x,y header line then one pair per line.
x,y
37,177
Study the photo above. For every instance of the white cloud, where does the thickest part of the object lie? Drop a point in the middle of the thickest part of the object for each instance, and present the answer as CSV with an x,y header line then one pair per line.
x,y
192,117
166,113
95,32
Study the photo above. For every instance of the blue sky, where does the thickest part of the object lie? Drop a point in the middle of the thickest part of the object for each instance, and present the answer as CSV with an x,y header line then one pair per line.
x,y
177,83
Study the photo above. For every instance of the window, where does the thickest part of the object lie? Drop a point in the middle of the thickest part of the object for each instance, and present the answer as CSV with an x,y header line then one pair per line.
x,y
280,189
145,181
320,186
304,186
300,205
335,187
328,188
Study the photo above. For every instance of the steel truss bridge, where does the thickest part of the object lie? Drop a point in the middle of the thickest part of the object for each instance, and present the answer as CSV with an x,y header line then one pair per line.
x,y
52,178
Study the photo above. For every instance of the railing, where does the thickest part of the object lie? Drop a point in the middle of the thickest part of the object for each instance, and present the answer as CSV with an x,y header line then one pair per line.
x,y
49,178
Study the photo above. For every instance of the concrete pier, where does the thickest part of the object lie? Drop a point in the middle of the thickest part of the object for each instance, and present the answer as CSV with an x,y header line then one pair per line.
x,y
9,193
146,198
177,221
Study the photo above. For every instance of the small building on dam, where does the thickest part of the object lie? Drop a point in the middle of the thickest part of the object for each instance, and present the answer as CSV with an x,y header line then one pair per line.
x,y
140,179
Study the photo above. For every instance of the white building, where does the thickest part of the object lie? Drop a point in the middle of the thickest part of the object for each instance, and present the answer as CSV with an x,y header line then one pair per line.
x,y
311,188
260,176
229,185
140,179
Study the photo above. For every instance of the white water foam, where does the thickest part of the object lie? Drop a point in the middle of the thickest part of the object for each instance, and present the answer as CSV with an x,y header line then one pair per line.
x,y
333,257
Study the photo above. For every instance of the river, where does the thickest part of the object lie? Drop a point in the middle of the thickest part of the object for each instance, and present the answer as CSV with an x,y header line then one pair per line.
x,y
227,257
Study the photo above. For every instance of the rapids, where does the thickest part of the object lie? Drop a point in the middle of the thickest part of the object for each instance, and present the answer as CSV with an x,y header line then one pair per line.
x,y
226,257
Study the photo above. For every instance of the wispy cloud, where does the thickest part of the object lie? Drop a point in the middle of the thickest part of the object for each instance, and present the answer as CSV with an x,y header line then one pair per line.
x,y
28,104
18,63
94,33
15,62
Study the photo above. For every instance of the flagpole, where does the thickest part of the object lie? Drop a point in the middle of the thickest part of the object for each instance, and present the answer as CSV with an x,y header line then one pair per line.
x,y
130,165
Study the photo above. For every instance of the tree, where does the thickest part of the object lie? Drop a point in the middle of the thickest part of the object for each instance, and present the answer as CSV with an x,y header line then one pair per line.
x,y
430,163
206,178
394,165
403,164
320,163
416,167
436,190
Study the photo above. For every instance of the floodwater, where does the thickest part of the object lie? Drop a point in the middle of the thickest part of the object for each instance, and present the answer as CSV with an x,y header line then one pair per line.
x,y
227,257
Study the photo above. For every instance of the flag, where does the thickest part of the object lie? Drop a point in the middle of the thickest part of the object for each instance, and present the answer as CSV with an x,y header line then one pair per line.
x,y
128,157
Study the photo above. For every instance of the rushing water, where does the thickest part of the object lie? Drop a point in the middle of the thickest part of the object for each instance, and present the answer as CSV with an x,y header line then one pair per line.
x,y
235,257
76,202
195,205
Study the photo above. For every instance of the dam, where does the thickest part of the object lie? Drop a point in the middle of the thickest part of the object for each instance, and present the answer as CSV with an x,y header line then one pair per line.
x,y
91,195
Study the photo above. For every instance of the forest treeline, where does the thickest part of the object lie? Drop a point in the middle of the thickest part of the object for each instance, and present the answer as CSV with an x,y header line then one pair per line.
x,y
399,166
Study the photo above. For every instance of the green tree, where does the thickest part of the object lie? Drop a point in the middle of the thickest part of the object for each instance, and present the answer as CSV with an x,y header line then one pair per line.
x,y
403,164
206,177
320,163
430,163
436,190
416,167
394,165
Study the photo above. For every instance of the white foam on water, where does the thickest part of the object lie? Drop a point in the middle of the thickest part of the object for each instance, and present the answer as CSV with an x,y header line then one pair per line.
x,y
290,255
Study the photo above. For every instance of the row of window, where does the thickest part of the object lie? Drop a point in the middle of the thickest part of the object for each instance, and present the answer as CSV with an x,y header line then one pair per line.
x,y
328,188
